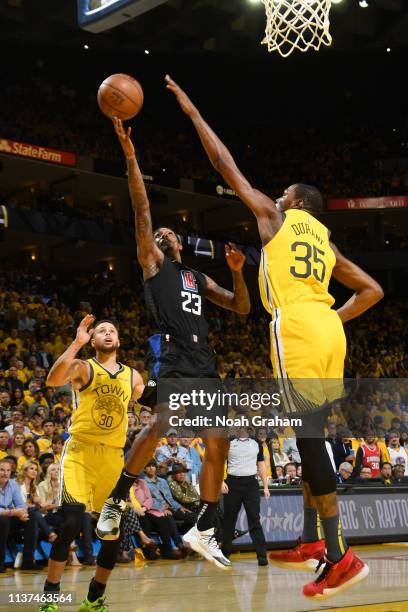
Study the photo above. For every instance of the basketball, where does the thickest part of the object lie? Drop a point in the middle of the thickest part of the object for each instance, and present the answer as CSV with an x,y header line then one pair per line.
x,y
120,95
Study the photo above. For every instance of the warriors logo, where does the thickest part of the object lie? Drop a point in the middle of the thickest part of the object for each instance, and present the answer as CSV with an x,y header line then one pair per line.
x,y
108,412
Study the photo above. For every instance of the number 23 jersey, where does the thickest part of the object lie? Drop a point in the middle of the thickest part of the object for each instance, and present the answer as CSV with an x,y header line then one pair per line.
x,y
296,265
175,298
100,407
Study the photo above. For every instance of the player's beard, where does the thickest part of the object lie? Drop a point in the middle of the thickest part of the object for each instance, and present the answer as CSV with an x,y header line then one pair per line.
x,y
107,350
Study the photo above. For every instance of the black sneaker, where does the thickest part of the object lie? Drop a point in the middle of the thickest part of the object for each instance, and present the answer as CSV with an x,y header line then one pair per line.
x,y
238,533
262,560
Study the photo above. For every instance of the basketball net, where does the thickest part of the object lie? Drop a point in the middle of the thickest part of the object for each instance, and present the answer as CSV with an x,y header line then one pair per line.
x,y
296,24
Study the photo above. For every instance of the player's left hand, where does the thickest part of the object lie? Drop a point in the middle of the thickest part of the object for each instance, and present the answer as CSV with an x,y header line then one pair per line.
x,y
266,493
182,98
235,258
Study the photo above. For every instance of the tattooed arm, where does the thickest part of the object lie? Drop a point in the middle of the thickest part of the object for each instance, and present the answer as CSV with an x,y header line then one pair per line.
x,y
148,253
238,300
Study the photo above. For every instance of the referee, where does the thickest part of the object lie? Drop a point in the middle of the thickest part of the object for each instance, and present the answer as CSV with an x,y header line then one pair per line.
x,y
245,460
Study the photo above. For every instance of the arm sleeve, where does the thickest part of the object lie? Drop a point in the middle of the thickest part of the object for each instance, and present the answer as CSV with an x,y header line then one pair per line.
x,y
260,456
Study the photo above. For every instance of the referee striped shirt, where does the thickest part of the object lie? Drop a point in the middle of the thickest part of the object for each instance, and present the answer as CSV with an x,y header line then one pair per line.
x,y
243,456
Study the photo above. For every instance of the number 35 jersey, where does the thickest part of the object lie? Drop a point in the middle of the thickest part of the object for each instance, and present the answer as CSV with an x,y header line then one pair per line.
x,y
100,407
296,265
175,298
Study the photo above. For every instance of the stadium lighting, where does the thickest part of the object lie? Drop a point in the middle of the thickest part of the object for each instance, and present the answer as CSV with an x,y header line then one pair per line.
x,y
86,47
336,1
254,1
363,3
388,49
146,51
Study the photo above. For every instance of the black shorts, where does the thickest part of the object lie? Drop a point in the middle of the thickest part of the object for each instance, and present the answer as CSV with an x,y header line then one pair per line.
x,y
173,357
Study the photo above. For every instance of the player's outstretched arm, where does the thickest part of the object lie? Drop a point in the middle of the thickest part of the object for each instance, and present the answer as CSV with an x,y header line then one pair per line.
x,y
367,291
220,157
69,369
149,255
237,300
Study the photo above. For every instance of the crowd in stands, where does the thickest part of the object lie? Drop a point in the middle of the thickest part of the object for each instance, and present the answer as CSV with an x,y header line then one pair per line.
x,y
343,160
367,434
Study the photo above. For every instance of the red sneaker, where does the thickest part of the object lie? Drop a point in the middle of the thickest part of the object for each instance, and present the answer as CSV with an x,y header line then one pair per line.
x,y
337,577
304,557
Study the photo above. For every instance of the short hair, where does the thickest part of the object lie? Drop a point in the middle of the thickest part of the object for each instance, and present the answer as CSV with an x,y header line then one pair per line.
x,y
48,421
57,438
115,325
311,196
365,467
345,466
167,227
386,463
393,433
45,456
288,464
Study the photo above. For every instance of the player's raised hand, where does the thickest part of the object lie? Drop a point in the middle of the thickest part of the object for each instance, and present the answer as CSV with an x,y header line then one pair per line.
x,y
182,98
83,336
235,258
124,137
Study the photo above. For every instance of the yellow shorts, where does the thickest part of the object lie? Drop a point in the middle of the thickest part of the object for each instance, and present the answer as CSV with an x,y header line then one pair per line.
x,y
308,348
88,473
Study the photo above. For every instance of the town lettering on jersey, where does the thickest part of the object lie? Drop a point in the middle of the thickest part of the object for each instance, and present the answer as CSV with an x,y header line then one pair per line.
x,y
111,390
304,228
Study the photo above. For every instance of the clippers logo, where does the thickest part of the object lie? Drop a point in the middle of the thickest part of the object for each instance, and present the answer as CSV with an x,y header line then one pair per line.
x,y
189,281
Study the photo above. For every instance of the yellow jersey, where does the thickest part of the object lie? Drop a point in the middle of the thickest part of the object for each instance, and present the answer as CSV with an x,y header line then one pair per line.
x,y
296,265
100,407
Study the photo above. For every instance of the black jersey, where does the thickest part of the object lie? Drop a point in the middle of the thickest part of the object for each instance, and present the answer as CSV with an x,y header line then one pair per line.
x,y
175,298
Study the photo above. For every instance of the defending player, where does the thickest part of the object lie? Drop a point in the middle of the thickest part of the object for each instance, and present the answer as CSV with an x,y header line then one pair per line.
x,y
175,296
307,338
92,458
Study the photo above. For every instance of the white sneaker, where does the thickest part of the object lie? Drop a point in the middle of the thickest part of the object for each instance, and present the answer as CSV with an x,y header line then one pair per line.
x,y
108,527
205,544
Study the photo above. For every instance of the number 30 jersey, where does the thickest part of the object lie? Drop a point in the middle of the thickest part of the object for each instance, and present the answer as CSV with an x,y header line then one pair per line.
x,y
296,265
175,298
100,407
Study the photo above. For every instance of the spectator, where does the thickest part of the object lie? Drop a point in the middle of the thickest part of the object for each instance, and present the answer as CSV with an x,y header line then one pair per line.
x,y
36,425
28,479
236,371
290,448
193,460
343,450
4,443
17,418
290,474
399,474
31,452
279,457
172,452
45,460
159,515
181,489
15,517
16,449
45,440
369,454
262,439
13,382
397,453
12,461
386,473
365,474
345,472
57,445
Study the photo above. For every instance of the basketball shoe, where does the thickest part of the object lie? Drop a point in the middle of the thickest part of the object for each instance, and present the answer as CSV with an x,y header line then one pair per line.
x,y
108,526
337,577
205,543
93,606
304,557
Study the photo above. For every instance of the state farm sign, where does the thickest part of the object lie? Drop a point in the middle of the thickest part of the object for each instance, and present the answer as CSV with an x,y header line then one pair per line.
x,y
35,152
361,203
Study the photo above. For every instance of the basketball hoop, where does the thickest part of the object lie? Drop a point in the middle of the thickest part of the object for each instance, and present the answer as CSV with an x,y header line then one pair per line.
x,y
296,24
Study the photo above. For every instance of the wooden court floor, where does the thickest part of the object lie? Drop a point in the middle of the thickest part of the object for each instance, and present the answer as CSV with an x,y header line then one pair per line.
x,y
193,585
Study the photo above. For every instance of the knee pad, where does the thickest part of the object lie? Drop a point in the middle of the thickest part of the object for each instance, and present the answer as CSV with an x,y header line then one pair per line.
x,y
108,553
72,515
